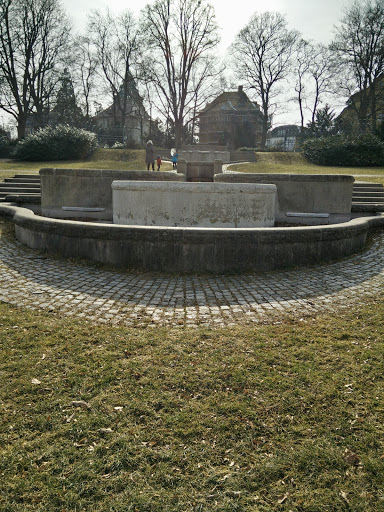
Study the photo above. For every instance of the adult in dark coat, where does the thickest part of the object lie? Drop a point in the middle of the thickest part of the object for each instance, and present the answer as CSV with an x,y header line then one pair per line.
x,y
150,155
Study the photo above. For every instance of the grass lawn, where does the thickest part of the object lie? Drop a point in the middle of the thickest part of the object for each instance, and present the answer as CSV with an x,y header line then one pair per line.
x,y
116,159
135,160
283,417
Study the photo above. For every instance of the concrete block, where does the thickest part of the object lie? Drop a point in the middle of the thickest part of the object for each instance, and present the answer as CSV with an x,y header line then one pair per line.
x,y
212,205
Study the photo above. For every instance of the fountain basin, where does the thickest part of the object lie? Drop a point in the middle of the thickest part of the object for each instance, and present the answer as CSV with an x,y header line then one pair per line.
x,y
183,204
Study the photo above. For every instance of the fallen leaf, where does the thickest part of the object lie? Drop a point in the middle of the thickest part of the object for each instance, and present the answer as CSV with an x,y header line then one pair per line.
x,y
281,500
36,381
105,430
344,495
351,457
81,403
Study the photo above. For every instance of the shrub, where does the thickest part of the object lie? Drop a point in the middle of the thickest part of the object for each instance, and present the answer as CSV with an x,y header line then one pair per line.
x,y
4,147
56,143
118,145
339,150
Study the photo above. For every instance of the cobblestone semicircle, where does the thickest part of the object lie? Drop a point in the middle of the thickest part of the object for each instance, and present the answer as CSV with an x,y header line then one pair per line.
x,y
34,280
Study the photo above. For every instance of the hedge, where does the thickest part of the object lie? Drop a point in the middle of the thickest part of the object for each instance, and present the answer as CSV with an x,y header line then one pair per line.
x,y
339,150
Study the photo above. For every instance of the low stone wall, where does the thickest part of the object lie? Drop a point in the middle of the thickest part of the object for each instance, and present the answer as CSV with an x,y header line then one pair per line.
x,y
213,205
321,199
198,155
87,193
191,249
199,171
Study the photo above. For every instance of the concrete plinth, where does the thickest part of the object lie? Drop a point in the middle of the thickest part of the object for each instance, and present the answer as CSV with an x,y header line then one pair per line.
x,y
218,205
304,198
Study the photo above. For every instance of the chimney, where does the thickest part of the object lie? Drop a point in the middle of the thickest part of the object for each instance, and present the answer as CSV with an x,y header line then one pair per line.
x,y
240,89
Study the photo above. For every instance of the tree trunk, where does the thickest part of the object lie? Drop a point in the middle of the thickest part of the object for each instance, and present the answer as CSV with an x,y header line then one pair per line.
x,y
178,133
264,131
21,125
373,108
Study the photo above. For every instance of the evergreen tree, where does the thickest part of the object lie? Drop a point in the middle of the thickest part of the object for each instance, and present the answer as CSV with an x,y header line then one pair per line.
x,y
323,124
66,110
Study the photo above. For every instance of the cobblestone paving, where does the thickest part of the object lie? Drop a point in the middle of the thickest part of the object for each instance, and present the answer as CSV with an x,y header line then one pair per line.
x,y
30,280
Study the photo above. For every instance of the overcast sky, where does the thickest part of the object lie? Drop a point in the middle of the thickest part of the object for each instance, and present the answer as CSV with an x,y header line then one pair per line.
x,y
313,18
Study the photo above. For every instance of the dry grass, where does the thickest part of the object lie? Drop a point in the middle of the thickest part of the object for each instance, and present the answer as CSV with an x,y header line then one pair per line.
x,y
273,418
295,163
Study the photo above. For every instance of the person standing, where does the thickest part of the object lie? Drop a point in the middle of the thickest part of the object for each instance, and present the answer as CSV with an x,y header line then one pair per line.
x,y
150,155
158,161
174,157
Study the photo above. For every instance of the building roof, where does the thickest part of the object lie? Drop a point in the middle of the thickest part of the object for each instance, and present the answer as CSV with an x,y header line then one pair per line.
x,y
232,101
289,129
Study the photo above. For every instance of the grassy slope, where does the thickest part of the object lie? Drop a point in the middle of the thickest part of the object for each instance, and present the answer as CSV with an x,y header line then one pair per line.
x,y
295,163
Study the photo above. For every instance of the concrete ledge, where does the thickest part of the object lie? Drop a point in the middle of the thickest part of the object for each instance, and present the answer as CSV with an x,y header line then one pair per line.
x,y
191,249
310,193
88,188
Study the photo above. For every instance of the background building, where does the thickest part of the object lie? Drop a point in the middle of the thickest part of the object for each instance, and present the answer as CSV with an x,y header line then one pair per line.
x,y
283,138
231,120
123,121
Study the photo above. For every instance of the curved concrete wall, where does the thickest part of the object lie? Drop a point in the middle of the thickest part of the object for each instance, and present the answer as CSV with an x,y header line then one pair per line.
x,y
215,205
87,193
191,249
327,197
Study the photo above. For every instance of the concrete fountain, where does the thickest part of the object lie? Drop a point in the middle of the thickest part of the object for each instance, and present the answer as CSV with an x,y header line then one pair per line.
x,y
161,221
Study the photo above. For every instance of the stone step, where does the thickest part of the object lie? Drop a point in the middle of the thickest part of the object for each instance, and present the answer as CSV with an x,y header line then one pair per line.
x,y
10,190
368,194
367,199
367,207
367,184
17,184
17,179
23,198
364,190
21,188
21,175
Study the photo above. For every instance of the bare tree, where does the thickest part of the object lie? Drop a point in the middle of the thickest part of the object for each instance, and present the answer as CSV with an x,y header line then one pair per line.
x,y
303,57
316,70
263,51
85,65
359,45
34,35
180,35
116,39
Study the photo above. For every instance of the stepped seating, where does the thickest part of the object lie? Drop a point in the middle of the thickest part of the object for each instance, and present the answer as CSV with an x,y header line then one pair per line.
x,y
22,188
367,197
